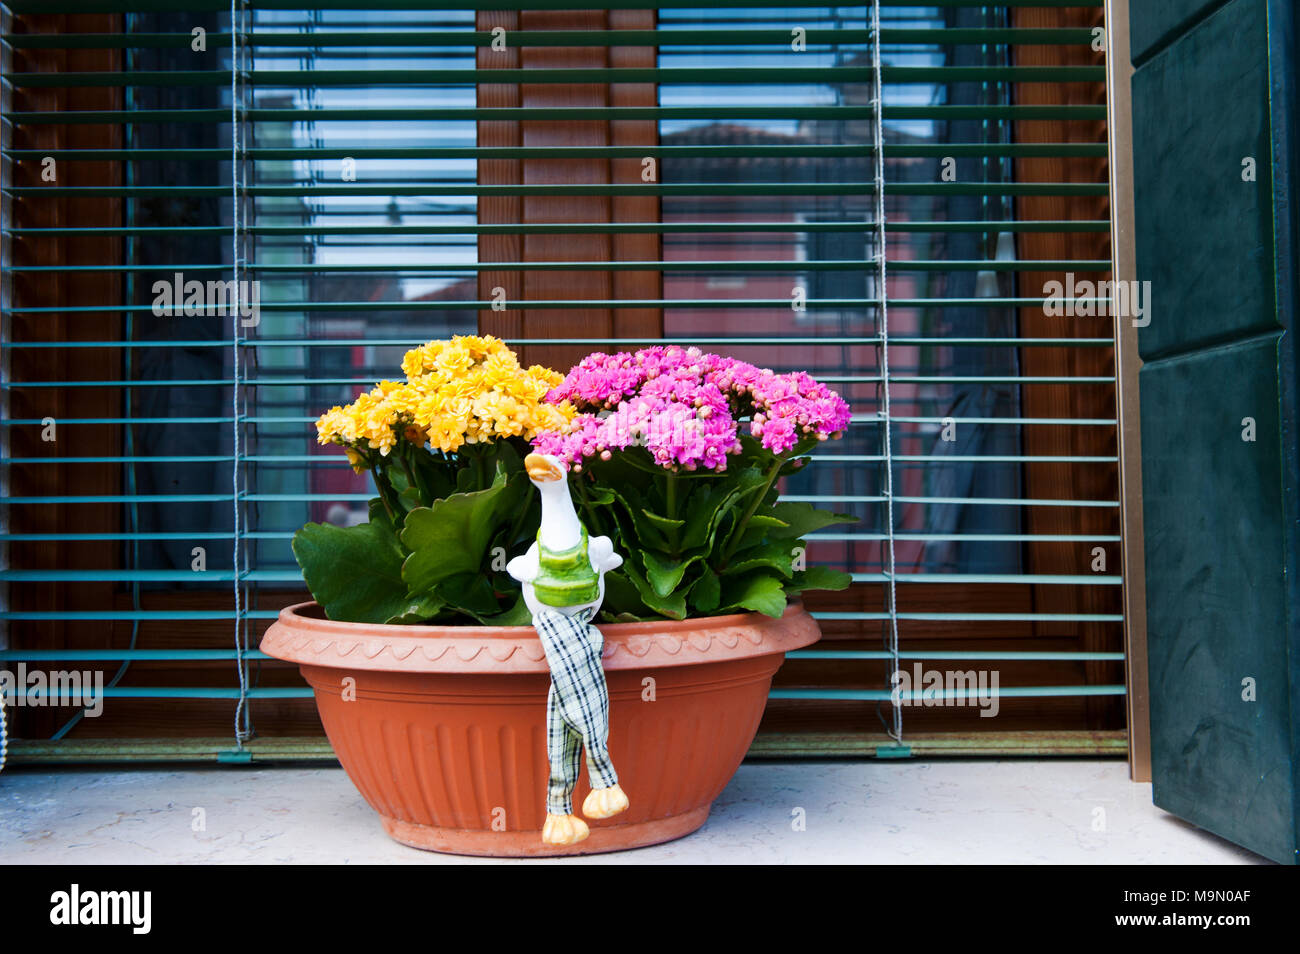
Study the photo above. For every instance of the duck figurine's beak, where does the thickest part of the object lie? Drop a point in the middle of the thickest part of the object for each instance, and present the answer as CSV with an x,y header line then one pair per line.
x,y
543,468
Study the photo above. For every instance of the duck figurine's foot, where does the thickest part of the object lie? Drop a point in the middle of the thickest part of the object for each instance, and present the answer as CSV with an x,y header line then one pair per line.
x,y
561,830
605,802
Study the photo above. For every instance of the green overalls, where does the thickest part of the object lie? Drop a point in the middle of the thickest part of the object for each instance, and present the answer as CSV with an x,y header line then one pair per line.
x,y
565,577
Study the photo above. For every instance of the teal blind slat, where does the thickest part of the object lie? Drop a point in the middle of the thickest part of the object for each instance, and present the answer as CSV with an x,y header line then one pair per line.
x,y
568,228
525,38
1042,150
612,303
694,189
367,382
166,655
423,77
421,114
219,6
747,341
1005,692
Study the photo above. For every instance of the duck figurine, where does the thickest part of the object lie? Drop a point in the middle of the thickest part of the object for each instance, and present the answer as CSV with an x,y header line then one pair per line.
x,y
563,579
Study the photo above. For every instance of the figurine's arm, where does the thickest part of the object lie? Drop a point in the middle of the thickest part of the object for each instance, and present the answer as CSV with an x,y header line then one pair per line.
x,y
526,566
600,550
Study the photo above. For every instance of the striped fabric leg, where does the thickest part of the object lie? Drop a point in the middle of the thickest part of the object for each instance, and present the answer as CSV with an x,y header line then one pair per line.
x,y
563,747
578,706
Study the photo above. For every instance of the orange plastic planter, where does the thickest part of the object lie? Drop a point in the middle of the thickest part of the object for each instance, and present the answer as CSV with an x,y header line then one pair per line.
x,y
443,728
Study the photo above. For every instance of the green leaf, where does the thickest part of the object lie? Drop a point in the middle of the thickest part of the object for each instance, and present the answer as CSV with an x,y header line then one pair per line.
x,y
647,532
672,605
758,592
596,496
664,573
435,473
617,491
397,478
710,503
506,458
761,526
802,519
453,536
375,508
620,618
778,556
622,597
517,615
818,578
420,610
407,494
467,478
530,524
663,523
471,593
701,508
706,592
355,573
794,466
754,482
410,498
751,538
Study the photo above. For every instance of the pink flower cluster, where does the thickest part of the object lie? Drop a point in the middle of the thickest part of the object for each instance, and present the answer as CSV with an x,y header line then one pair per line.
x,y
685,406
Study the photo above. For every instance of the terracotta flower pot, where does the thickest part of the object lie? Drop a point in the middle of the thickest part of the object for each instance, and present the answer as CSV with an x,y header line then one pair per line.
x,y
442,729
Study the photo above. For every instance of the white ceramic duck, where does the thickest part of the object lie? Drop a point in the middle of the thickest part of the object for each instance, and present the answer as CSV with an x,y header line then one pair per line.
x,y
563,572
560,531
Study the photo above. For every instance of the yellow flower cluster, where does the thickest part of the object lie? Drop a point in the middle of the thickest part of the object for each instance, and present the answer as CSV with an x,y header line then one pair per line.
x,y
468,390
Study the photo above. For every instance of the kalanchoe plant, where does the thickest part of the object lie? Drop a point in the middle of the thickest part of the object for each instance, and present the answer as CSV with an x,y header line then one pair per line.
x,y
676,455
445,450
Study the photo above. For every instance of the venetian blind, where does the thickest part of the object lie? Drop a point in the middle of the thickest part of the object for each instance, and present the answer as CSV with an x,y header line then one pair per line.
x,y
878,194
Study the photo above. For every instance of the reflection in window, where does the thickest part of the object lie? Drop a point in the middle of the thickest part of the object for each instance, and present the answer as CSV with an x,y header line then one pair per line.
x,y
350,280
828,253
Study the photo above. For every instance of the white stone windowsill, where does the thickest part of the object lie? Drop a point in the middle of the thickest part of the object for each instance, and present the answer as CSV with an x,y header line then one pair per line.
x,y
958,812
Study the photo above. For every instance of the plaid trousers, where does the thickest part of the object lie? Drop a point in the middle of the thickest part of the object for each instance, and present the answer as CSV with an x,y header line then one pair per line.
x,y
577,708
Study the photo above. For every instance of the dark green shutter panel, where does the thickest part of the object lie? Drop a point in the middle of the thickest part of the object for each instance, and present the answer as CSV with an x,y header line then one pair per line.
x,y
1221,510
